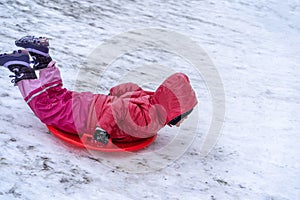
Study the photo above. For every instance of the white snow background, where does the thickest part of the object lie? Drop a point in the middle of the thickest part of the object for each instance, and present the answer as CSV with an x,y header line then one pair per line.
x,y
255,45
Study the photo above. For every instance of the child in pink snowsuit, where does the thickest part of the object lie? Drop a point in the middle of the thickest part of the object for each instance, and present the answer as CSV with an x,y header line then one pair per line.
x,y
127,114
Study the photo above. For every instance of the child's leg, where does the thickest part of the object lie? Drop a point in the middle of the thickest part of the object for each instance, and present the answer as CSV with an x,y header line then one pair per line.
x,y
54,105
51,103
49,76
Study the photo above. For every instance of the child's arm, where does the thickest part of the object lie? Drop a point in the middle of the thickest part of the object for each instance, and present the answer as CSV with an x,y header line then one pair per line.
x,y
124,88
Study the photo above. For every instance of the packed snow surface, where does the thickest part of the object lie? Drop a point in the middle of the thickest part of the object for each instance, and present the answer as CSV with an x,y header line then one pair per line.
x,y
254,45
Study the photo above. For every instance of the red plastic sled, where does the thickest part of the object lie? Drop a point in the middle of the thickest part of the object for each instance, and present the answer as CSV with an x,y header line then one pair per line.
x,y
87,141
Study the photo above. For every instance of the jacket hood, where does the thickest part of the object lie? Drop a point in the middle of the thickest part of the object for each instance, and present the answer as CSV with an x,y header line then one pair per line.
x,y
175,95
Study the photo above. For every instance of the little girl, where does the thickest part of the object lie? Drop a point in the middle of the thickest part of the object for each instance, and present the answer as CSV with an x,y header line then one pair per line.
x,y
127,114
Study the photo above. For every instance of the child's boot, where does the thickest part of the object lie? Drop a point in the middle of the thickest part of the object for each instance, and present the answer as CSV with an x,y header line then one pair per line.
x,y
18,62
38,47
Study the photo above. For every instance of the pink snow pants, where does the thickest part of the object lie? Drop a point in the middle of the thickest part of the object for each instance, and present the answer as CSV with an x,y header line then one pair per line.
x,y
55,105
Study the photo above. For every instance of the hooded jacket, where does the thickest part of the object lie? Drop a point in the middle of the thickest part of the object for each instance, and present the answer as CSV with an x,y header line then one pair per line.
x,y
130,113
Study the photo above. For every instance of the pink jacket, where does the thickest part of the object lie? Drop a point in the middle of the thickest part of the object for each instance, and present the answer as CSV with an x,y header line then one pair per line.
x,y
127,114
130,113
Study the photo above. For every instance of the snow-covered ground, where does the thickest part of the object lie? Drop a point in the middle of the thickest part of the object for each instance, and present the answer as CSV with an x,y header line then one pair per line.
x,y
254,45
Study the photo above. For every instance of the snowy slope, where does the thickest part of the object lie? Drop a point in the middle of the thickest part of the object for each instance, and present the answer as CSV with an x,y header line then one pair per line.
x,y
254,45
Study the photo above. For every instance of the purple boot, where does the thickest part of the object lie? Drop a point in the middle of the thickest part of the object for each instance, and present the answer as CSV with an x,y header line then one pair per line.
x,y
38,48
18,62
